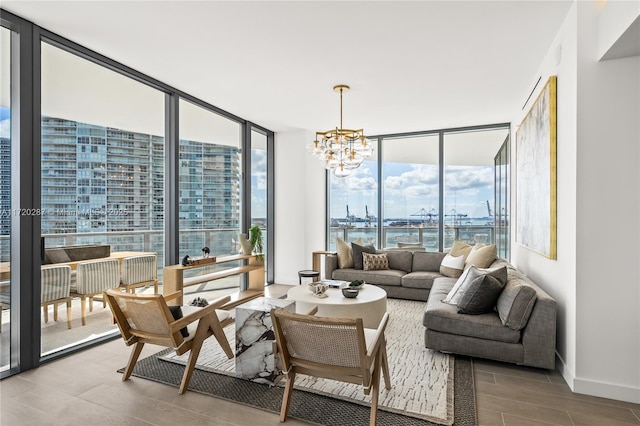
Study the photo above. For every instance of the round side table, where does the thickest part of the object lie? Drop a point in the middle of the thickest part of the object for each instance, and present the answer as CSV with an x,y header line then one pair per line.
x,y
307,273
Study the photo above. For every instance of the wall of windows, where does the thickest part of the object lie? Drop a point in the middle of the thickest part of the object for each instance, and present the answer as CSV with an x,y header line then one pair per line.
x,y
124,160
434,187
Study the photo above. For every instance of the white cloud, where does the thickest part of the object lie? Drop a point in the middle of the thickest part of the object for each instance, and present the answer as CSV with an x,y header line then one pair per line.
x,y
5,128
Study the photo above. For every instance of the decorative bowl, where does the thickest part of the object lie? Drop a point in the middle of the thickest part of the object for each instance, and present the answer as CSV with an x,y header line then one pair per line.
x,y
353,285
350,292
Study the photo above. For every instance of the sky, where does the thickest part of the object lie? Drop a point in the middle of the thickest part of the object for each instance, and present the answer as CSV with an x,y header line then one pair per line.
x,y
410,189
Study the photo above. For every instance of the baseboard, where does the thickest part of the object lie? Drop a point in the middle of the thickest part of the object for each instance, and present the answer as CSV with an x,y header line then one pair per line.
x,y
595,388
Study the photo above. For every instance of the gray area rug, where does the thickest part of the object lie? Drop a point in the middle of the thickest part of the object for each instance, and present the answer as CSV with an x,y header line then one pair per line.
x,y
428,387
422,379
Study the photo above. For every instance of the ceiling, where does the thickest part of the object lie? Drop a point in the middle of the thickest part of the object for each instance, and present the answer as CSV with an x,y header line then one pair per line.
x,y
414,65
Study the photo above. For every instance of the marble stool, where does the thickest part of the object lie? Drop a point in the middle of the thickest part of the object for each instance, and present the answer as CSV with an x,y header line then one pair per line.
x,y
308,273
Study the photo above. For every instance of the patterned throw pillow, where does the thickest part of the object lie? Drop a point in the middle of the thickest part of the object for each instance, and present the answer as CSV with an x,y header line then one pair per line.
x,y
375,262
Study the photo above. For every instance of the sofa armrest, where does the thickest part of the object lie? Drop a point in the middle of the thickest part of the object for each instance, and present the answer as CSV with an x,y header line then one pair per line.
x,y
330,265
539,336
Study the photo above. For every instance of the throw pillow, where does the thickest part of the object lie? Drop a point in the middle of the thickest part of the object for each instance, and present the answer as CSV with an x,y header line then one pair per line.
x,y
460,287
481,295
515,305
176,311
482,257
460,249
374,262
345,254
452,266
357,254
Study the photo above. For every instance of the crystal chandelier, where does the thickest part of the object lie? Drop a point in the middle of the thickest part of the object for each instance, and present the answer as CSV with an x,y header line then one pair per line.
x,y
341,150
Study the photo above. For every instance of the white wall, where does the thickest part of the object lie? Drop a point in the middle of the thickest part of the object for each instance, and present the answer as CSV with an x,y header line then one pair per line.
x,y
300,215
595,278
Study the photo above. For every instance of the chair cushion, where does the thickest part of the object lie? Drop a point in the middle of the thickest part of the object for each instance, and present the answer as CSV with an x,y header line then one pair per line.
x,y
176,311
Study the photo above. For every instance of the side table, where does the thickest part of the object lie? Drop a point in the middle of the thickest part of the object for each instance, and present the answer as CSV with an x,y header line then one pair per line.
x,y
256,357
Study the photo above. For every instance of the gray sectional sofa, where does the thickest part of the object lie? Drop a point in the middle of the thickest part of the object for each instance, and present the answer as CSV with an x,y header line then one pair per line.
x,y
522,329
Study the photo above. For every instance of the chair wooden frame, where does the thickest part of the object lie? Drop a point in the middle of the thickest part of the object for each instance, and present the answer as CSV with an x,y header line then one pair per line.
x,y
152,309
371,357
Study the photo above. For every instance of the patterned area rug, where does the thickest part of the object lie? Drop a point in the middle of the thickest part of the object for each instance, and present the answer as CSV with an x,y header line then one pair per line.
x,y
422,379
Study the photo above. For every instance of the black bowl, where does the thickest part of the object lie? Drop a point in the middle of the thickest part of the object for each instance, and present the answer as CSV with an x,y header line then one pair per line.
x,y
350,292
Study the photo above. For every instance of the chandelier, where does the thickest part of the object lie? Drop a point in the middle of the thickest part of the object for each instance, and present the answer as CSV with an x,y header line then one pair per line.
x,y
341,150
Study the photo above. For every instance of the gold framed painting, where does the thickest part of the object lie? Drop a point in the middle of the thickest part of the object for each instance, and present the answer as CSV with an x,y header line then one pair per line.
x,y
536,174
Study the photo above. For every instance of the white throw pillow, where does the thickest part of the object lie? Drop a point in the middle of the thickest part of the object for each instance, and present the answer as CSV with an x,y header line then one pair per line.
x,y
452,266
457,288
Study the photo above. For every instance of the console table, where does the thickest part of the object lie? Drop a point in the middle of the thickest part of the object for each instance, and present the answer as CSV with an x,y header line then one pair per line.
x,y
174,281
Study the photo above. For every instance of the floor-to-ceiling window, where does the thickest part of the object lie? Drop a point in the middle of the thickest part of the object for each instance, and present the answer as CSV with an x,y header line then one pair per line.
x,y
353,205
5,197
435,187
102,151
410,191
259,184
469,185
210,181
98,146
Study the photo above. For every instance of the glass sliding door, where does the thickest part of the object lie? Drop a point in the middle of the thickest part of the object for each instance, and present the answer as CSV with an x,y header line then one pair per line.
x,y
469,186
210,165
353,205
5,198
102,153
410,175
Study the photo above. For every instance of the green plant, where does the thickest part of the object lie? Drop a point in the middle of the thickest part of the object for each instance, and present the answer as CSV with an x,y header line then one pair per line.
x,y
255,237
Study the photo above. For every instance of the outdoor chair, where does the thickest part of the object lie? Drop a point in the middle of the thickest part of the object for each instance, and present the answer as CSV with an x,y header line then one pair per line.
x,y
146,318
55,285
139,271
332,348
92,279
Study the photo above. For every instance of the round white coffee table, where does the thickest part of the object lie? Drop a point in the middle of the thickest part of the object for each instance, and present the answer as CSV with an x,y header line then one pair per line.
x,y
370,305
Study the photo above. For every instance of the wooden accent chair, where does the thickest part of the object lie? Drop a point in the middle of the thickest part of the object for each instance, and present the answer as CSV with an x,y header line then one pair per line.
x,y
146,318
92,279
332,348
55,284
139,271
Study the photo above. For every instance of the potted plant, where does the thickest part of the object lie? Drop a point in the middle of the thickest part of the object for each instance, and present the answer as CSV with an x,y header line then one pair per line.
x,y
255,237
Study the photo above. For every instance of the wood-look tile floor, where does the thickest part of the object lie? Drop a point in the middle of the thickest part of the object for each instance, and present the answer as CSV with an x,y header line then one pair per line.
x,y
85,389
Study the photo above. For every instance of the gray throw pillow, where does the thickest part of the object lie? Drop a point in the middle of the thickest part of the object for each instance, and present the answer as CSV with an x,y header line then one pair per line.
x,y
357,254
481,295
515,305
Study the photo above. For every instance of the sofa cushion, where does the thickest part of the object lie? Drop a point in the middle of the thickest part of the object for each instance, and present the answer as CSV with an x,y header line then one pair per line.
x,y
452,266
482,256
443,317
374,262
357,254
516,303
467,277
427,261
345,254
390,277
420,279
399,259
481,295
